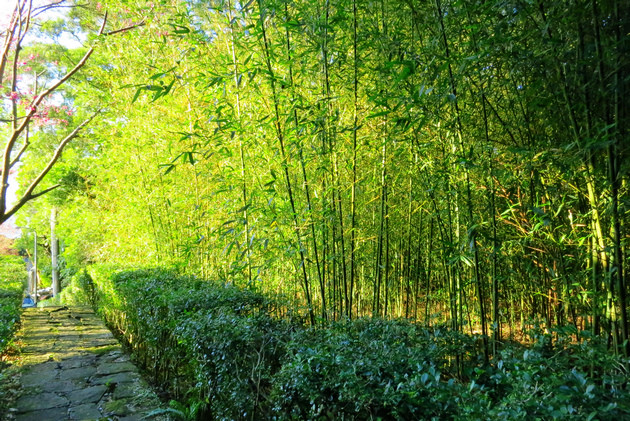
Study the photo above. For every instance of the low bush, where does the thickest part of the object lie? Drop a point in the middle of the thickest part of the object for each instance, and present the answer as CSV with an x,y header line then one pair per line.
x,y
370,369
13,279
568,381
219,350
236,357
203,341
78,290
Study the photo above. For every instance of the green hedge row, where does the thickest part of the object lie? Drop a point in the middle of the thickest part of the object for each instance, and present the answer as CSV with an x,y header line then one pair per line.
x,y
204,342
221,350
13,279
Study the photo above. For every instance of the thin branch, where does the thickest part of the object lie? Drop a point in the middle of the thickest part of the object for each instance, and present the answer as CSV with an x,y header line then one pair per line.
x,y
32,109
9,39
57,5
28,22
29,195
23,29
137,25
21,152
43,192
10,120
41,9
23,201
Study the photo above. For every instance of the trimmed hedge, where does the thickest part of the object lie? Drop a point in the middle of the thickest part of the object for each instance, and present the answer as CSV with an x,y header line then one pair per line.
x,y
370,369
13,279
202,341
76,291
220,350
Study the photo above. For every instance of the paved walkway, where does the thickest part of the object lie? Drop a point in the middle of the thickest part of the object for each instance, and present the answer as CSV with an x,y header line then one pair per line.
x,y
74,369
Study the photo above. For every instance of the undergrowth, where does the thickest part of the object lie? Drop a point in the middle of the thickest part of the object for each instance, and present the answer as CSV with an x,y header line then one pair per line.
x,y
12,284
222,354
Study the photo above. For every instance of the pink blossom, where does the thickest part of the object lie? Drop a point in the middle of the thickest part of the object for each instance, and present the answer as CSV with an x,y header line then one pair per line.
x,y
14,96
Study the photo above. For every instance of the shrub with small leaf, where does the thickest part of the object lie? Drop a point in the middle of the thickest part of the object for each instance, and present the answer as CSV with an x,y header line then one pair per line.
x,y
221,350
201,340
370,369
582,380
13,278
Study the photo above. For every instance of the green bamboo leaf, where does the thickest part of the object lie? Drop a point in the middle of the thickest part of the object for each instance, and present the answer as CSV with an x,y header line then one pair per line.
x,y
137,94
379,114
168,88
169,168
180,29
244,208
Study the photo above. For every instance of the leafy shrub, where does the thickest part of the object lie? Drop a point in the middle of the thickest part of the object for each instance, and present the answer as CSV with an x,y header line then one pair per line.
x,y
198,338
236,356
219,349
13,278
79,290
369,369
582,380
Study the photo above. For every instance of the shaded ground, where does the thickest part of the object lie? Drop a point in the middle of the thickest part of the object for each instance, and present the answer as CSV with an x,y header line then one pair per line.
x,y
72,368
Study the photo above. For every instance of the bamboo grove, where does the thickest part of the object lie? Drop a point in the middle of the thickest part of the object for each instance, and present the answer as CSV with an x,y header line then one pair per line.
x,y
459,162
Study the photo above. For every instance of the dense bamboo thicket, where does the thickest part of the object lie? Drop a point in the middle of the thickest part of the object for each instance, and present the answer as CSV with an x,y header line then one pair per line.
x,y
460,162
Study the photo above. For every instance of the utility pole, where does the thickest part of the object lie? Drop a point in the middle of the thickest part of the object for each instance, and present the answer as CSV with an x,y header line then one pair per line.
x,y
54,251
35,268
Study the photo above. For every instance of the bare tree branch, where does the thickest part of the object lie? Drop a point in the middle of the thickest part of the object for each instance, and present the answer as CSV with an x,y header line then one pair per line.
x,y
20,152
43,192
43,8
56,5
23,29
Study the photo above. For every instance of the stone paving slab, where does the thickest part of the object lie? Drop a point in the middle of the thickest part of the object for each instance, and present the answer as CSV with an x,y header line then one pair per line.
x,y
74,369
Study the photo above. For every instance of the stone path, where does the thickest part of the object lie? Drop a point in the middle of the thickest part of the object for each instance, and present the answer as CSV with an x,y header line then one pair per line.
x,y
74,369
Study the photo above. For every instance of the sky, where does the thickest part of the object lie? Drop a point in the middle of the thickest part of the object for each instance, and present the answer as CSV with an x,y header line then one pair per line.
x,y
6,7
